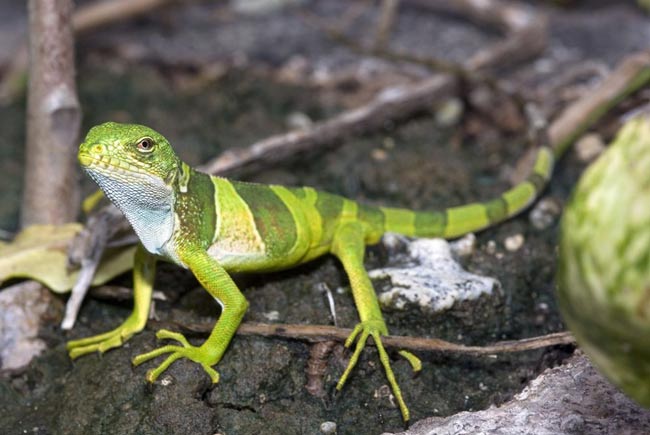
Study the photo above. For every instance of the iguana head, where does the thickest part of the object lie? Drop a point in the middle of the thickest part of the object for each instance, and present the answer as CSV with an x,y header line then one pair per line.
x,y
135,166
128,150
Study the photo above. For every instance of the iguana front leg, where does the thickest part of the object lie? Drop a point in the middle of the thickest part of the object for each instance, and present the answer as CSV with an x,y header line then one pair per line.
x,y
219,284
348,245
144,270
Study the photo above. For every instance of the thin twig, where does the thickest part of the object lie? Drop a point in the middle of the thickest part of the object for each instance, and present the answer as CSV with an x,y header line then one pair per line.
x,y
320,333
386,22
525,29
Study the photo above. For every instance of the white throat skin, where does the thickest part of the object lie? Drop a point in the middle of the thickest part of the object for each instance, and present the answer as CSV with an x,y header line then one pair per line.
x,y
147,202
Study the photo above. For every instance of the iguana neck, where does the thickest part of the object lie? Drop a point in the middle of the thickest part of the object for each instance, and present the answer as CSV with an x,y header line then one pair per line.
x,y
147,202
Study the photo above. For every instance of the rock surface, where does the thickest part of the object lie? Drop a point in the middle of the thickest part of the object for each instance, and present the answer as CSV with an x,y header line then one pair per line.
x,y
571,399
22,310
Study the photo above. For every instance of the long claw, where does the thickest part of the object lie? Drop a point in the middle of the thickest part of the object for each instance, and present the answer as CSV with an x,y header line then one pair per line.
x,y
86,342
153,374
99,346
171,335
144,357
415,362
355,357
383,357
214,375
353,335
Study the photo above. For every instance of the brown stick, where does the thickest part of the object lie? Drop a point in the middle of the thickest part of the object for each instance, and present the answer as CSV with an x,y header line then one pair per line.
x,y
53,117
320,333
324,333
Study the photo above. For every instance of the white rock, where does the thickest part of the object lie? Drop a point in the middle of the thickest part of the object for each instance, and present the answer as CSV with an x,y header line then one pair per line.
x,y
545,212
328,427
431,278
514,243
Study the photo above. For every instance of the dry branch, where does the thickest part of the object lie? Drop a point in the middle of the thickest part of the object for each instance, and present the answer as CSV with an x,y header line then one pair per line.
x,y
322,333
325,333
51,194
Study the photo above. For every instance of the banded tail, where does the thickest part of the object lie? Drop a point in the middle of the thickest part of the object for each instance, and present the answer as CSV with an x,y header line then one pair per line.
x,y
456,221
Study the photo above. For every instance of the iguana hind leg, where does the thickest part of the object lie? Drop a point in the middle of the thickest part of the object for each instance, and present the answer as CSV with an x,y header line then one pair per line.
x,y
348,245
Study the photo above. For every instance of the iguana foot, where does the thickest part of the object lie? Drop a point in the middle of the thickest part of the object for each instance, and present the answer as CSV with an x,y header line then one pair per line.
x,y
375,329
206,358
108,340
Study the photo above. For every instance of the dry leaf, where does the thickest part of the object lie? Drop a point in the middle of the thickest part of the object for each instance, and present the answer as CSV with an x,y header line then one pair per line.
x,y
39,252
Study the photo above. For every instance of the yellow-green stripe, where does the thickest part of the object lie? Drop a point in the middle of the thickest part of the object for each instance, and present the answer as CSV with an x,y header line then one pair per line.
x,y
399,220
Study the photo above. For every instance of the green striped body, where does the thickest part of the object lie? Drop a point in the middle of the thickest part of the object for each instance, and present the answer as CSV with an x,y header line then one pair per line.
x,y
259,227
214,226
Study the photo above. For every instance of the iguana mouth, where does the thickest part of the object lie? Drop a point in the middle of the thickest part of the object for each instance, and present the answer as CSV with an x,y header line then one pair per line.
x,y
85,160
102,162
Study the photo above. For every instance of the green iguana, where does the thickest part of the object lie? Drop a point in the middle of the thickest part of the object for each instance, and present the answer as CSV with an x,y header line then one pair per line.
x,y
214,226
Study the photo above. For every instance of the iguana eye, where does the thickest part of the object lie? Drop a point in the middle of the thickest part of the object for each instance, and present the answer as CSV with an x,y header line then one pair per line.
x,y
145,145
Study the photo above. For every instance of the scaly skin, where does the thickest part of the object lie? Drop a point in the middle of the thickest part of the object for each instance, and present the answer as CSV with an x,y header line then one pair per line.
x,y
214,226
604,267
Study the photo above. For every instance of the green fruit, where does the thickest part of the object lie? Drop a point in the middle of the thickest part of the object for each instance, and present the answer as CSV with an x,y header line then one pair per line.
x,y
604,266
